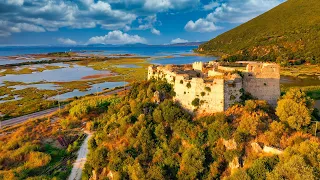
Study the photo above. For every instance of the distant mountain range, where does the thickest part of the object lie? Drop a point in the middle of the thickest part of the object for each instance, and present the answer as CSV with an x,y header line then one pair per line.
x,y
145,45
109,45
290,31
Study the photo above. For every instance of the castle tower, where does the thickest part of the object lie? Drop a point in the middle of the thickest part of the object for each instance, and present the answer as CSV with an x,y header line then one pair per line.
x,y
197,66
262,81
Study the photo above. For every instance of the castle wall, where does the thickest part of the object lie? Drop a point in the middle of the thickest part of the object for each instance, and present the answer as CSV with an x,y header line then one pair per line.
x,y
226,69
232,92
213,99
262,81
212,73
210,100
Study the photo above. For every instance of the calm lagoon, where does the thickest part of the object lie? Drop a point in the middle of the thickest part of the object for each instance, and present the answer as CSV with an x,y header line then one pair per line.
x,y
95,88
57,75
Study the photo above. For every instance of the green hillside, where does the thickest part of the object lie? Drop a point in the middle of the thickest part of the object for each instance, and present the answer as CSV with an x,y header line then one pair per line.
x,y
290,31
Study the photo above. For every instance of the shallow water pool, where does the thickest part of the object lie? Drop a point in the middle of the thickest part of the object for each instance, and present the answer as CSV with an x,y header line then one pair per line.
x,y
94,89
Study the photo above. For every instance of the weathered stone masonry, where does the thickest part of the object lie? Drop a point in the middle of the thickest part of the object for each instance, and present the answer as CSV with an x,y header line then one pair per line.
x,y
216,87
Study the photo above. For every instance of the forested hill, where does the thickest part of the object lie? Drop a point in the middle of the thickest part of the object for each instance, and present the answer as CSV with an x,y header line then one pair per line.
x,y
290,31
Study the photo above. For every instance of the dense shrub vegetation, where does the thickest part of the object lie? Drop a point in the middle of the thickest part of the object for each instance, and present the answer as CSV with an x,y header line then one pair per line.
x,y
83,106
136,137
287,32
33,152
46,148
139,139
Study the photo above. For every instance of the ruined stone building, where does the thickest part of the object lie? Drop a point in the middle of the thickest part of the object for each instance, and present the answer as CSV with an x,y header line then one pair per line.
x,y
210,87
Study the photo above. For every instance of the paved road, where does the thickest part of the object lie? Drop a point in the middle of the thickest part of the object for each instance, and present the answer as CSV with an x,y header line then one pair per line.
x,y
22,119
78,165
116,91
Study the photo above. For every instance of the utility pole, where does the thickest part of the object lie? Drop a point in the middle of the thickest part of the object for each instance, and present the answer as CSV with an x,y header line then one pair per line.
x,y
315,131
59,103
124,81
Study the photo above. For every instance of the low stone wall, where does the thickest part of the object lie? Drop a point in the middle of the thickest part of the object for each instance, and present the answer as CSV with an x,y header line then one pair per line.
x,y
226,69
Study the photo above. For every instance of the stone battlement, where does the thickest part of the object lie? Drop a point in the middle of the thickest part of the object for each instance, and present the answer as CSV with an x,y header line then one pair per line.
x,y
210,88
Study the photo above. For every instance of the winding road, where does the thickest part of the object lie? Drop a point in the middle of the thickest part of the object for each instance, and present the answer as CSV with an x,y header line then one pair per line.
x,y
21,119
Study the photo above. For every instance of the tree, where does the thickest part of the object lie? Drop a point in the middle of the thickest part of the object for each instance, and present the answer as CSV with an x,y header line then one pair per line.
x,y
160,132
239,175
294,168
191,164
249,125
189,85
157,115
299,97
274,134
295,114
196,102
262,166
136,171
295,108
98,158
155,173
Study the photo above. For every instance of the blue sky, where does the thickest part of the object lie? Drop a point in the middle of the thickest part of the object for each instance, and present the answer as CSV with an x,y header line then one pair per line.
x,y
72,22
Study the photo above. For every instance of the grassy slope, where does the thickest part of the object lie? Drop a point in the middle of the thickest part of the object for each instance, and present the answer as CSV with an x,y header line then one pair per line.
x,y
292,29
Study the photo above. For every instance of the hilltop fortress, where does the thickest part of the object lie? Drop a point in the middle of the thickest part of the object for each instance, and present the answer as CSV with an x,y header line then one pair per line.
x,y
211,87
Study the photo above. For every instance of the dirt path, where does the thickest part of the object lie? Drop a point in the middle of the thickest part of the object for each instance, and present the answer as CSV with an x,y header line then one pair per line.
x,y
78,165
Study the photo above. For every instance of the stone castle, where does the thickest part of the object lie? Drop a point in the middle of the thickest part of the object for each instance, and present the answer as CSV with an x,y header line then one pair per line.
x,y
211,87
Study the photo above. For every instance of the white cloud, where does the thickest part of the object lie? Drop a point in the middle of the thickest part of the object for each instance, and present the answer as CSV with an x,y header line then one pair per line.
x,y
230,11
67,41
149,23
144,27
155,31
42,15
211,5
7,28
154,5
179,40
201,25
51,15
117,37
15,2
126,28
29,27
234,11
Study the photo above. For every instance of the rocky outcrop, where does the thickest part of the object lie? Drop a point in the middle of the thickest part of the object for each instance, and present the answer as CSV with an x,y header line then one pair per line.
x,y
272,150
256,147
110,175
234,164
158,97
266,149
94,175
229,144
